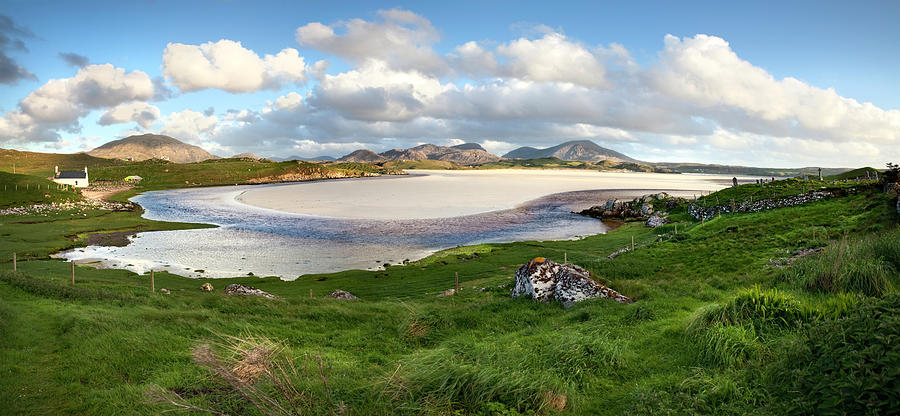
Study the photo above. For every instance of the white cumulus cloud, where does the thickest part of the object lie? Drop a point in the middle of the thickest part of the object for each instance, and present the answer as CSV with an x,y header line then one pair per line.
x,y
228,66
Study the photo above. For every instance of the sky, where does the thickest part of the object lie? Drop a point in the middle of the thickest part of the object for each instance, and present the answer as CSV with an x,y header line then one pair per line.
x,y
776,84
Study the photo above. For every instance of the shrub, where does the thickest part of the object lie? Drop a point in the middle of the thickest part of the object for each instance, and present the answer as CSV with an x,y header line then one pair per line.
x,y
845,366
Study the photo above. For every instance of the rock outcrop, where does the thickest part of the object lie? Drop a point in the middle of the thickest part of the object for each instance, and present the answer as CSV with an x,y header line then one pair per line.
x,y
206,287
544,280
235,289
637,209
341,294
656,221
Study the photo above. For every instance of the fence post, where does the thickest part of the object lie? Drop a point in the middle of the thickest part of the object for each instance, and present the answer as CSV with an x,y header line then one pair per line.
x,y
565,257
632,243
456,289
73,272
152,282
310,294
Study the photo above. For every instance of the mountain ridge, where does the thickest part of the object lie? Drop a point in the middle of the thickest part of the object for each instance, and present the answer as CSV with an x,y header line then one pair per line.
x,y
464,154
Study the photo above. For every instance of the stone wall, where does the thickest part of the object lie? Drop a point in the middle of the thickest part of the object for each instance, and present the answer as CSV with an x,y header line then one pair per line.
x,y
700,213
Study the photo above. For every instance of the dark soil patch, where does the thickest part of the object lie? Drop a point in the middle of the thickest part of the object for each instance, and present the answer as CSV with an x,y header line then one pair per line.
x,y
113,239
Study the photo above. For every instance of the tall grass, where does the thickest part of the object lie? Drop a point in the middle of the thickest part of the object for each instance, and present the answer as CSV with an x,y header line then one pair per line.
x,y
528,373
866,265
755,307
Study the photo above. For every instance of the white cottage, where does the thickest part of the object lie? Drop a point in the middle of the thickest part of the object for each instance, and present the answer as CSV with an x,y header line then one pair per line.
x,y
75,178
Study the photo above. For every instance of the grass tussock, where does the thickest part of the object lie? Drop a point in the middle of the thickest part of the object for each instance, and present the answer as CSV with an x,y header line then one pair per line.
x,y
867,265
756,307
262,372
728,345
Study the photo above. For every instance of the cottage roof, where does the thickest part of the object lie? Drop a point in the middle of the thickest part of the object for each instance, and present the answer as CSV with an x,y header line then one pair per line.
x,y
71,174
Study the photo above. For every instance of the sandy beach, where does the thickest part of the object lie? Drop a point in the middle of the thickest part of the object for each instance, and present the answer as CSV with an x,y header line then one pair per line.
x,y
444,194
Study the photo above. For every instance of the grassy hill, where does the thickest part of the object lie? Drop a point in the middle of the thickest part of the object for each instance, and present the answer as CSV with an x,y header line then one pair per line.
x,y
715,329
41,164
855,173
747,170
158,174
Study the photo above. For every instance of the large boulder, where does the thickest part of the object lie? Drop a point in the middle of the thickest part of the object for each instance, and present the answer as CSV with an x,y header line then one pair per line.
x,y
544,279
235,289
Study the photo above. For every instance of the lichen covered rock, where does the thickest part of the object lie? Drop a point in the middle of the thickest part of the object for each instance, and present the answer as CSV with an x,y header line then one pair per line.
x,y
235,289
206,287
543,280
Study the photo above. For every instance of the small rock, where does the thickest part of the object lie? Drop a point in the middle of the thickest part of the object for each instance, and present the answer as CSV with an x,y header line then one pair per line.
x,y
646,209
448,292
341,294
164,290
206,287
655,221
235,289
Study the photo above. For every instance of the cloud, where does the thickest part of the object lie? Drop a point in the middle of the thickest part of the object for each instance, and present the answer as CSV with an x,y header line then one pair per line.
x,y
552,58
10,33
59,103
374,92
95,86
228,66
74,59
705,73
189,125
401,39
139,112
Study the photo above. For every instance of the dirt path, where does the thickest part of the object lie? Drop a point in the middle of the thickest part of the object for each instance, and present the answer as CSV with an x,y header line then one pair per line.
x,y
103,192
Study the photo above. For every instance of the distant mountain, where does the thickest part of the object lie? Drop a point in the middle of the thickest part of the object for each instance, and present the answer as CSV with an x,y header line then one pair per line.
x,y
469,146
305,159
580,150
467,155
362,156
246,155
152,146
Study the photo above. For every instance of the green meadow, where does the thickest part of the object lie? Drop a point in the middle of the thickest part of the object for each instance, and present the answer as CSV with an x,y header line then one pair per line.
x,y
726,321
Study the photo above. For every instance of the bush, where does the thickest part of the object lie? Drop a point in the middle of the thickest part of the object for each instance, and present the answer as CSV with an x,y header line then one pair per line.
x,y
845,366
865,266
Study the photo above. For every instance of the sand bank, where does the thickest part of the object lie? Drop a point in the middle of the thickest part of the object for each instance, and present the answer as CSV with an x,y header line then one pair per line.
x,y
445,194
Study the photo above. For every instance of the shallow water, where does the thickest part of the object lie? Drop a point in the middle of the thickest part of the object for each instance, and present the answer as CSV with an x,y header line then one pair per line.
x,y
267,242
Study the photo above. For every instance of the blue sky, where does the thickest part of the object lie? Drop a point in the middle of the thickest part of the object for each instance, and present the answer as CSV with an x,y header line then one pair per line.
x,y
714,91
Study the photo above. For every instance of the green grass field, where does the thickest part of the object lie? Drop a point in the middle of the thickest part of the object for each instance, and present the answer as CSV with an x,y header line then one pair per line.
x,y
715,328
